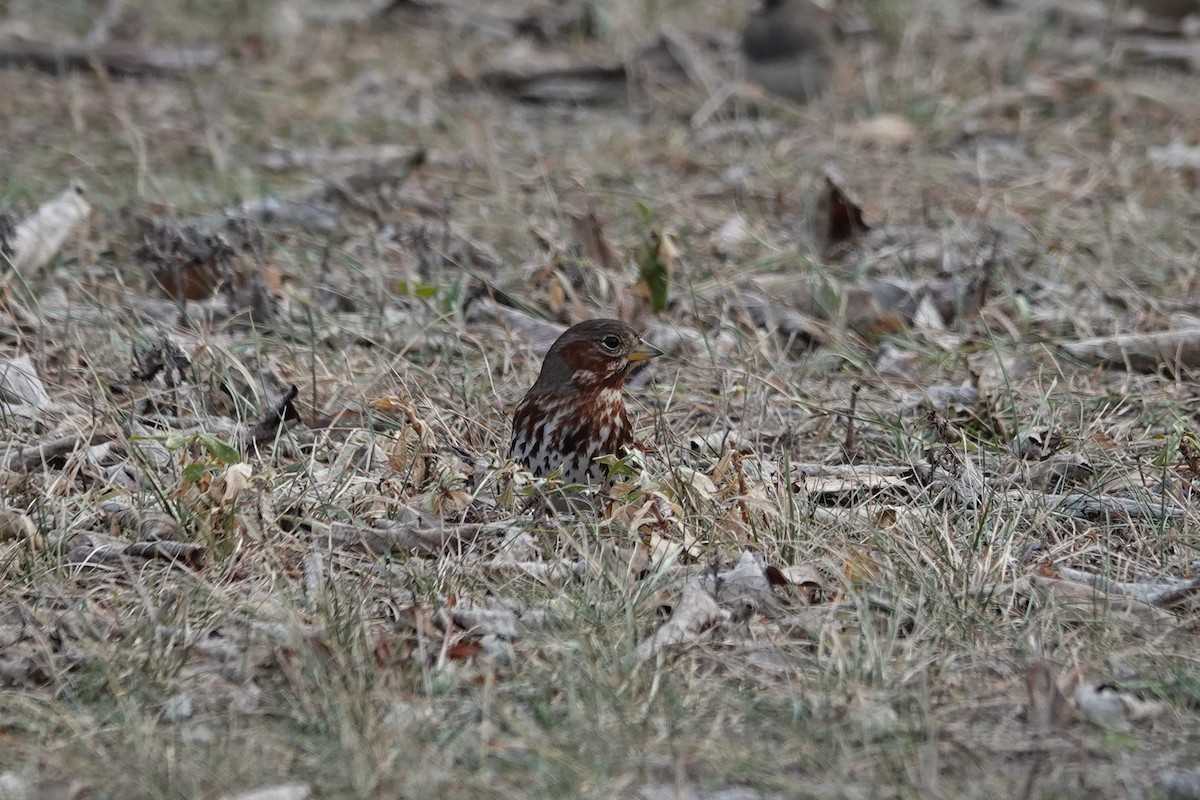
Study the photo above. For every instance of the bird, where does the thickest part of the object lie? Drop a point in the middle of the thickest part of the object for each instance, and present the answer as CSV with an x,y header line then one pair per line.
x,y
786,48
575,411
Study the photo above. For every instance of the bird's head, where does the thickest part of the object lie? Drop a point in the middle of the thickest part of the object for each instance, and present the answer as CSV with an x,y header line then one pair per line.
x,y
596,354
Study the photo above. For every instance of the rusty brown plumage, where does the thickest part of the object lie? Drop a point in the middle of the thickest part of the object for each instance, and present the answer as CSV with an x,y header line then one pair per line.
x,y
575,411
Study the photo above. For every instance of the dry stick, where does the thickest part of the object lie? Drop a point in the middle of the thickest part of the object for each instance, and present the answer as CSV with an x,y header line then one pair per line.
x,y
298,208
388,537
187,553
118,59
855,388
28,458
1140,352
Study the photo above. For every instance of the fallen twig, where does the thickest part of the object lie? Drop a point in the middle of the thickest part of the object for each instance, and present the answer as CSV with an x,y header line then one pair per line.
x,y
117,59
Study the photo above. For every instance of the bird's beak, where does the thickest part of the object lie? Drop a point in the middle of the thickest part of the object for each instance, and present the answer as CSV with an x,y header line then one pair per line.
x,y
644,352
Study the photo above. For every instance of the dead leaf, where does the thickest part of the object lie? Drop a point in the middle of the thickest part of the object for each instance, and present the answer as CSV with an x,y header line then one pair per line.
x,y
16,526
234,480
885,131
1047,705
19,382
861,567
39,237
695,613
589,236
1037,443
1110,707
839,219
809,579
464,649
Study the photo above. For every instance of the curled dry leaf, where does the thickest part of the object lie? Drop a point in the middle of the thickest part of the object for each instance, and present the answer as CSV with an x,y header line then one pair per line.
x,y
800,330
1183,55
116,58
232,482
408,455
680,339
16,526
1175,155
19,382
810,580
688,481
1047,705
40,236
839,219
1162,591
745,588
187,553
873,715
861,567
183,261
1181,784
1037,443
478,619
716,443
15,787
861,481
537,333
695,613
1114,708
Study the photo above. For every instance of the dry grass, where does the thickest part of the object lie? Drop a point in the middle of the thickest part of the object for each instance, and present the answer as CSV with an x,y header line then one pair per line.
x,y
461,675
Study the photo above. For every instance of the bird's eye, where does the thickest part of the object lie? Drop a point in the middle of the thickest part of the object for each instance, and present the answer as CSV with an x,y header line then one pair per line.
x,y
611,342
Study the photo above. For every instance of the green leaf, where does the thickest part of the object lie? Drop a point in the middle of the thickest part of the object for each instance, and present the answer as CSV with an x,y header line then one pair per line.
x,y
176,441
425,291
193,472
645,213
628,466
655,258
221,451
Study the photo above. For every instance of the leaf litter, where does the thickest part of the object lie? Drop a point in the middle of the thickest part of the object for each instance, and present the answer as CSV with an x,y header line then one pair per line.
x,y
921,474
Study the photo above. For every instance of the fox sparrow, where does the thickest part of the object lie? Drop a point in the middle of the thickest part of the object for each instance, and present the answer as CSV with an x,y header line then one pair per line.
x,y
575,411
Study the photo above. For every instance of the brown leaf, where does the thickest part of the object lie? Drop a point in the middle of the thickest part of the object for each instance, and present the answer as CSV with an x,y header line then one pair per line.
x,y
593,244
464,649
1048,706
839,220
